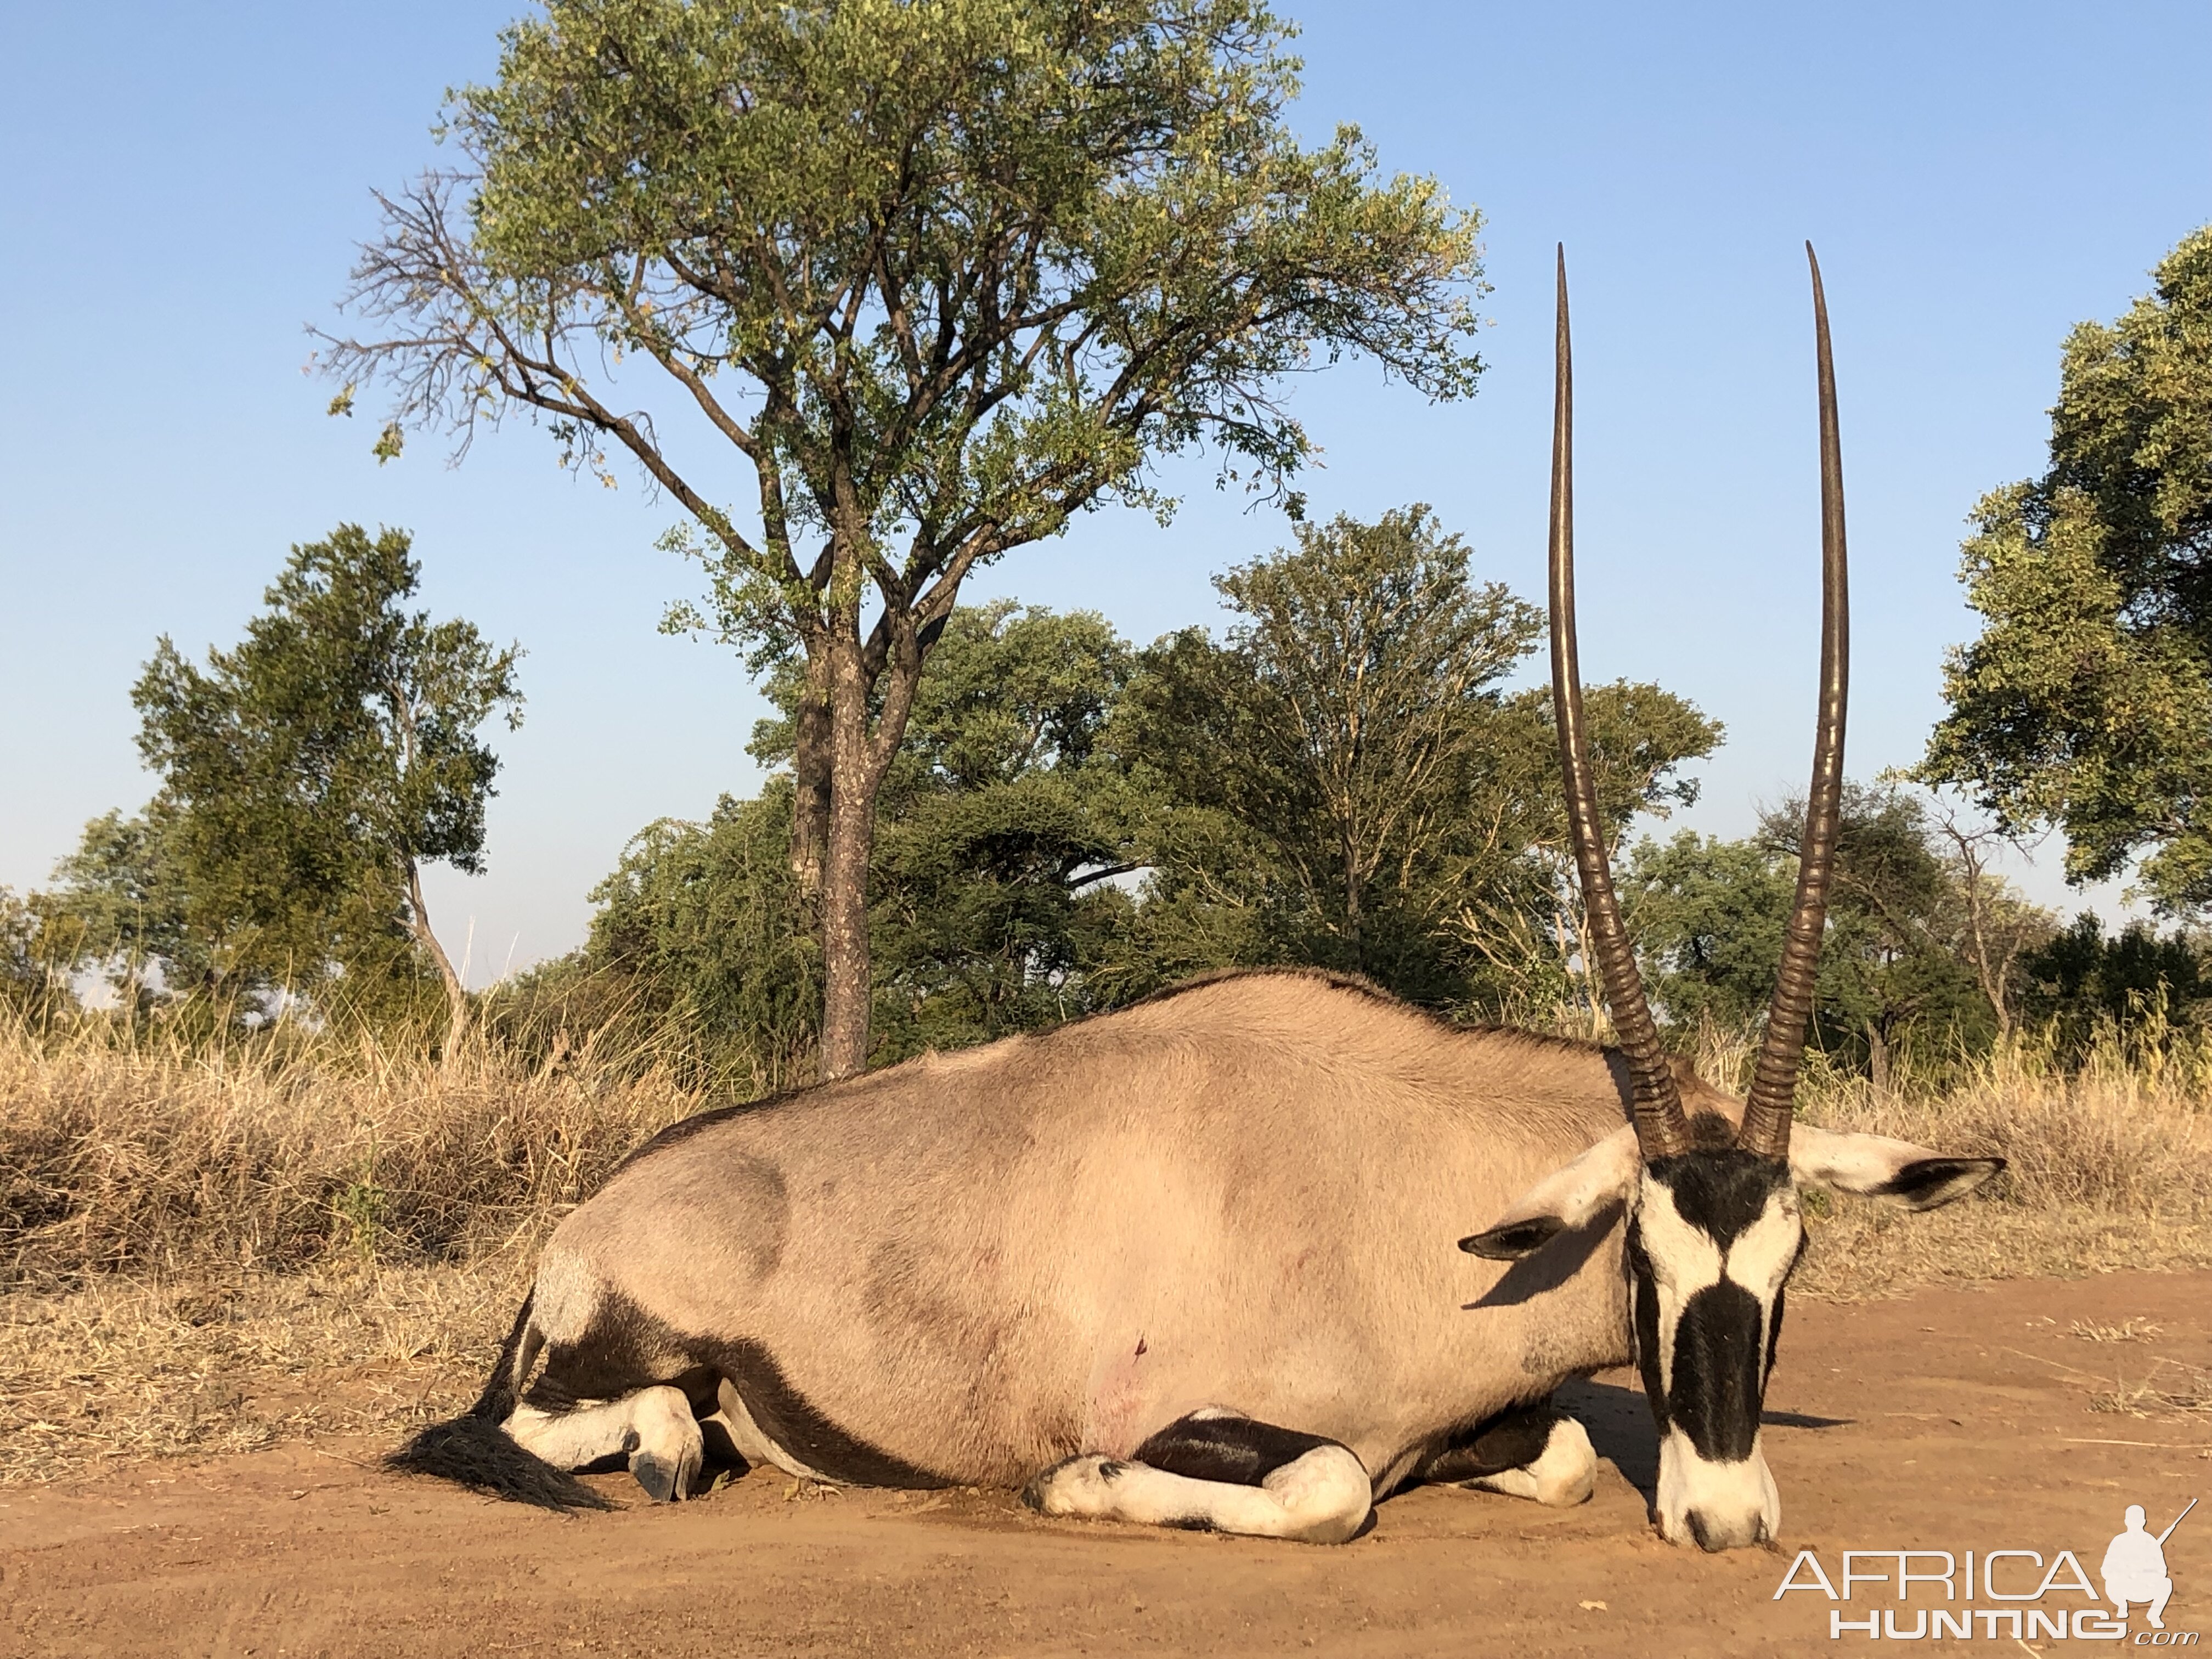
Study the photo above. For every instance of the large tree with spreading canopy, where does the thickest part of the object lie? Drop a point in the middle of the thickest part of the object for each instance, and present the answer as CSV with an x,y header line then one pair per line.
x,y
879,290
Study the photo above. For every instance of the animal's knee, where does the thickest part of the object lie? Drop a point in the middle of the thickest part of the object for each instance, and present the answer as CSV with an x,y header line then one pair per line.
x,y
1326,1495
1079,1487
668,1446
1558,1469
1567,1473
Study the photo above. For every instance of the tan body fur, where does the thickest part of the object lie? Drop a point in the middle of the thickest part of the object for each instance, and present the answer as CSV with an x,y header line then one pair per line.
x,y
1245,1195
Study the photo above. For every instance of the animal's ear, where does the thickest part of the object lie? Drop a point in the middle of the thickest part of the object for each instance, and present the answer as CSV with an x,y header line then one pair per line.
x,y
1878,1167
1563,1201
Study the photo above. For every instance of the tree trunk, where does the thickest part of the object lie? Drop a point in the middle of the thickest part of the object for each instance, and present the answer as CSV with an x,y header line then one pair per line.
x,y
1354,919
811,751
852,833
1878,1056
457,994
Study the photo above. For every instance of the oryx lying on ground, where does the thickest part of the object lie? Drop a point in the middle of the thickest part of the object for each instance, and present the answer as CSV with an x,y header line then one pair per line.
x,y
1192,1263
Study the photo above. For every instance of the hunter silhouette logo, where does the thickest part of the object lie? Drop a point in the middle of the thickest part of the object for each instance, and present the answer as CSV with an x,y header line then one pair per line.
x,y
2135,1566
2025,1597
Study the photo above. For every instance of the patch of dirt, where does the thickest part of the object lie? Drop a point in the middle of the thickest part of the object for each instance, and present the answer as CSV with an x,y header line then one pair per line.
x,y
2003,1417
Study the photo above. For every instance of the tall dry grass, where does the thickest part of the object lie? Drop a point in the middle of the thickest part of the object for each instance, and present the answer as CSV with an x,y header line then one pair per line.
x,y
155,1156
207,1249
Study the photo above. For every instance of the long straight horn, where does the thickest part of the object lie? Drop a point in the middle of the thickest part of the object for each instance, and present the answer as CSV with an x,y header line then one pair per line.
x,y
1660,1128
1766,1112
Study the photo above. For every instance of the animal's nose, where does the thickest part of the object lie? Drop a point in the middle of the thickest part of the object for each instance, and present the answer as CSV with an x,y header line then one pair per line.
x,y
1718,1532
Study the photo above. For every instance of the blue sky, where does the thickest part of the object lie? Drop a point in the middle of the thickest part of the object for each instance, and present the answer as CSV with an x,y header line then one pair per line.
x,y
185,186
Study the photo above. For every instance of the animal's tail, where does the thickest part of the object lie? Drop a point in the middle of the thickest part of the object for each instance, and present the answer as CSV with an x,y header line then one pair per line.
x,y
474,1450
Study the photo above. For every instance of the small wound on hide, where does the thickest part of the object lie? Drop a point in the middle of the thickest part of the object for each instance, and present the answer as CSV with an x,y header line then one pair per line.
x,y
1140,1348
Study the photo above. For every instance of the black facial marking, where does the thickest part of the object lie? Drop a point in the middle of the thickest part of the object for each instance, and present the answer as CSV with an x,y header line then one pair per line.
x,y
1234,1451
1717,1372
1720,1193
1774,1324
1643,1298
1720,1363
1511,1440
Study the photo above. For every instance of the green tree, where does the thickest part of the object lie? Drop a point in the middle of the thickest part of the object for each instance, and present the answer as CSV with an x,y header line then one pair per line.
x,y
307,775
1707,915
1004,826
122,896
991,891
1918,938
2087,701
943,273
702,929
1350,783
2084,981
33,964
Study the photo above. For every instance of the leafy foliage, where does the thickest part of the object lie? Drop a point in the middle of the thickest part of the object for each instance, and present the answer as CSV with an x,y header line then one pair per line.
x,y
1898,966
308,773
702,929
33,983
944,273
2086,703
1002,827
1070,823
2085,982
1345,781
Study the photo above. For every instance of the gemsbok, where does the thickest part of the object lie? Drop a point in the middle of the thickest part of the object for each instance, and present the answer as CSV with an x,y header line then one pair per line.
x,y
1201,1262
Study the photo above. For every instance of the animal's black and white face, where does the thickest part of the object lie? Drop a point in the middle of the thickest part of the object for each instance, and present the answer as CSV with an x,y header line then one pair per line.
x,y
1712,1241
1712,1237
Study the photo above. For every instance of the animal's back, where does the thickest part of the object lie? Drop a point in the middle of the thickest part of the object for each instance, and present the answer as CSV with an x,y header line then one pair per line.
x,y
1243,1194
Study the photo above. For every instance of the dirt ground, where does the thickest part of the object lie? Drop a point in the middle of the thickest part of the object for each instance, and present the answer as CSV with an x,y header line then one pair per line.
x,y
2023,1415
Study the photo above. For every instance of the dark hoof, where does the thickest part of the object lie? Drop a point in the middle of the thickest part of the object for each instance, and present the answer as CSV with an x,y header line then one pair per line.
x,y
1033,1493
663,1481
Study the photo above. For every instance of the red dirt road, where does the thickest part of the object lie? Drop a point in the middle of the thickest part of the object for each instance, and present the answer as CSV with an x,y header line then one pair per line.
x,y
1957,1420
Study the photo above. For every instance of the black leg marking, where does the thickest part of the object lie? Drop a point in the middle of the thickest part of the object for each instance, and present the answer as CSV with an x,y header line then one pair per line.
x,y
1511,1440
625,1349
622,1349
793,1422
1234,1450
1213,1472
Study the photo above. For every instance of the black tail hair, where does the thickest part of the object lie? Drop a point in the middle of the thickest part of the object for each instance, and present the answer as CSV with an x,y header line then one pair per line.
x,y
475,1451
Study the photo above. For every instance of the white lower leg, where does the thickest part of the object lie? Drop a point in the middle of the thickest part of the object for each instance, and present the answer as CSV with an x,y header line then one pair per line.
x,y
654,1427
1322,1497
1563,1474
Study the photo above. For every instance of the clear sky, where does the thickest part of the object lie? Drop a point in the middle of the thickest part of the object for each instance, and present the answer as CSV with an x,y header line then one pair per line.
x,y
185,184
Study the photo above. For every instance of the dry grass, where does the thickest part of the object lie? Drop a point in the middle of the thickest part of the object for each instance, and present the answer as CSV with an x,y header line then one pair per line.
x,y
122,1369
166,1160
209,1253
2106,1171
